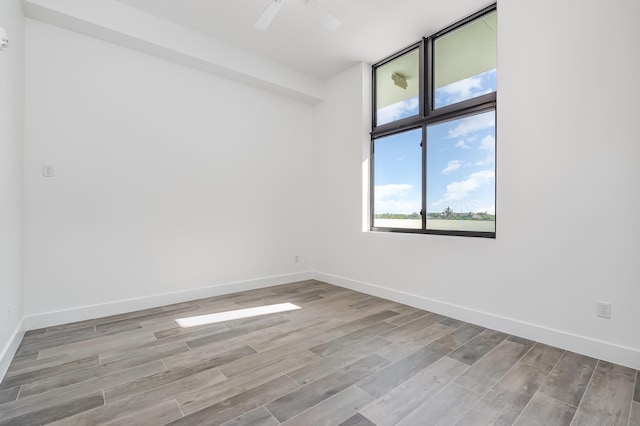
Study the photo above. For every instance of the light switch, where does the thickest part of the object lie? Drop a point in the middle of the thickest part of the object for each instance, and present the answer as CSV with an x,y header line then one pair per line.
x,y
47,170
4,40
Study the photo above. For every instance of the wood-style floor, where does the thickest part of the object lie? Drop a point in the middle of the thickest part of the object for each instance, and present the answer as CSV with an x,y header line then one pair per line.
x,y
344,358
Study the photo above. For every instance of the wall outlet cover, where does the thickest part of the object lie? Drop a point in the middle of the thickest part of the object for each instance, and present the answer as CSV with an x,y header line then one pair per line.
x,y
603,310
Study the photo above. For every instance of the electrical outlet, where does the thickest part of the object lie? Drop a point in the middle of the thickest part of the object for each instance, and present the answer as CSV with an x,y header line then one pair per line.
x,y
603,310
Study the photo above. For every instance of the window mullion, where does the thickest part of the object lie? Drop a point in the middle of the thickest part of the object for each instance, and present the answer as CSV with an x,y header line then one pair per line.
x,y
426,90
427,76
424,178
372,182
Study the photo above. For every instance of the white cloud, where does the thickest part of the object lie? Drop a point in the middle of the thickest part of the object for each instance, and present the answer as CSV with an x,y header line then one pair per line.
x,y
488,144
452,166
398,110
461,90
473,124
460,190
396,198
491,209
393,190
489,160
462,144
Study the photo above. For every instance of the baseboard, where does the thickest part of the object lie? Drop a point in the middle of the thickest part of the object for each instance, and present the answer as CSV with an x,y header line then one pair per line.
x,y
607,351
10,349
50,319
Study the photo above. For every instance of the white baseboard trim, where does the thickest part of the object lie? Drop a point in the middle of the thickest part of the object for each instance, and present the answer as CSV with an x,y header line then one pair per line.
x,y
50,319
10,349
607,351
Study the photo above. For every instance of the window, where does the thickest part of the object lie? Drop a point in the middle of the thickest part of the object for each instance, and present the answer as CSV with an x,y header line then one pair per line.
x,y
433,142
398,177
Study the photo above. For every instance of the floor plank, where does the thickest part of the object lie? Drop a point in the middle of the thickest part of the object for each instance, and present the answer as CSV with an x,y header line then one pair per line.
x,y
413,329
62,395
360,323
497,407
542,357
522,378
202,398
229,334
236,405
162,378
478,347
545,410
446,408
151,415
485,372
460,336
333,410
381,382
351,339
606,398
130,407
505,401
328,365
401,401
18,379
306,397
9,394
568,380
258,417
357,420
96,345
55,412
634,416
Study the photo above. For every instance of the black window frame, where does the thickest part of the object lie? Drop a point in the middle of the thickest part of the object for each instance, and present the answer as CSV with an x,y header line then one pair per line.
x,y
428,116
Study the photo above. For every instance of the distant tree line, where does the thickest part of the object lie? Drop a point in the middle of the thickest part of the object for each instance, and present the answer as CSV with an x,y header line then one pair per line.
x,y
446,214
398,216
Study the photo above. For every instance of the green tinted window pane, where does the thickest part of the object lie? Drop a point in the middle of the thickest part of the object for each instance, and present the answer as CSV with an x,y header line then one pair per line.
x,y
398,181
461,174
465,62
397,86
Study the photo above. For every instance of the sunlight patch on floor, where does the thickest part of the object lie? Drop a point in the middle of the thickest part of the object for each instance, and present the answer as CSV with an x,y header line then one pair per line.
x,y
235,314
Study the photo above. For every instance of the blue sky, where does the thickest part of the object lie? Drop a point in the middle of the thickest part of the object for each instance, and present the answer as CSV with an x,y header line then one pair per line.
x,y
460,157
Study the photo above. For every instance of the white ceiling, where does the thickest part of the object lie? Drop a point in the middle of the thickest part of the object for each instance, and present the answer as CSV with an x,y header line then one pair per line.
x,y
370,30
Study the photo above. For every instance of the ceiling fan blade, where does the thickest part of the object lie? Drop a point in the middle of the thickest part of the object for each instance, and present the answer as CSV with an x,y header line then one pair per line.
x,y
323,15
270,12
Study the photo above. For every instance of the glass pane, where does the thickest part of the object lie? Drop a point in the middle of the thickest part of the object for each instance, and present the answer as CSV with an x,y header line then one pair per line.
x,y
397,86
398,181
461,173
465,62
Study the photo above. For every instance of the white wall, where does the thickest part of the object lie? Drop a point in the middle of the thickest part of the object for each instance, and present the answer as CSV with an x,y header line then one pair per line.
x,y
167,179
11,140
567,192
